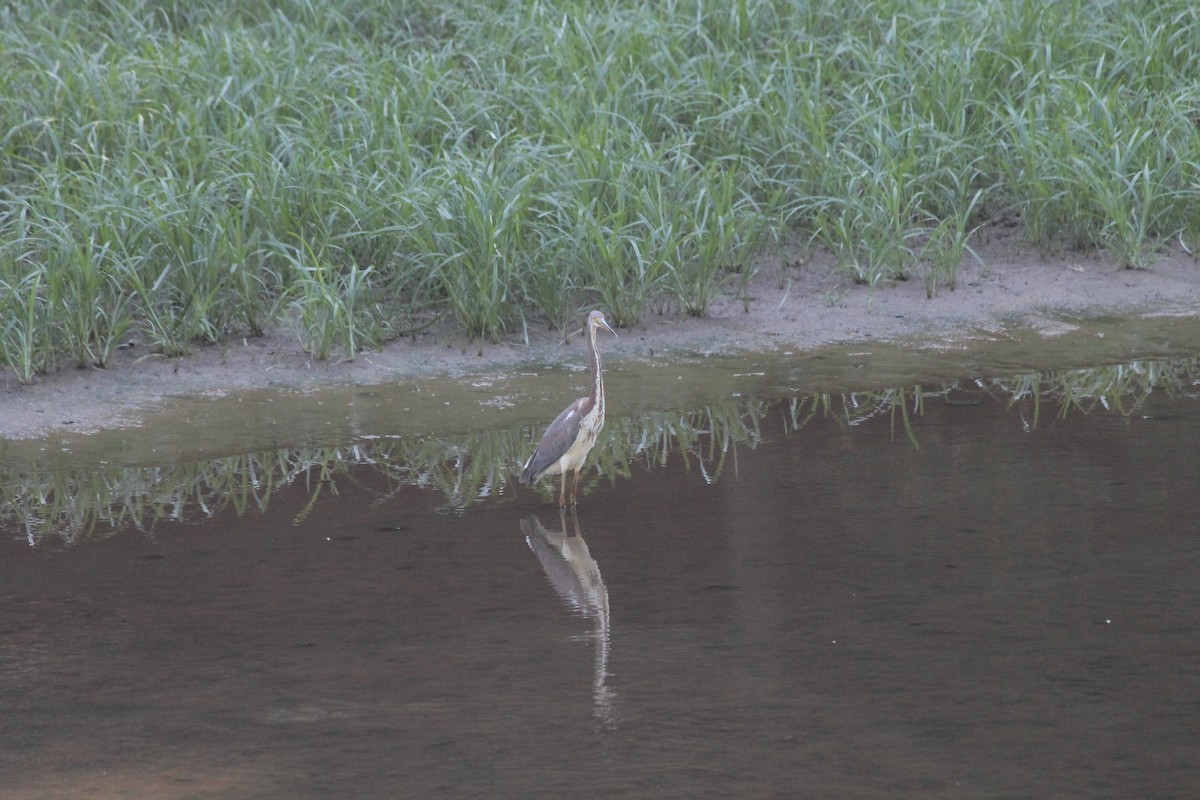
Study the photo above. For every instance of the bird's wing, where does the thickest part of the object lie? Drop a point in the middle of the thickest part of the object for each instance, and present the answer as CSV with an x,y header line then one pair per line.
x,y
557,439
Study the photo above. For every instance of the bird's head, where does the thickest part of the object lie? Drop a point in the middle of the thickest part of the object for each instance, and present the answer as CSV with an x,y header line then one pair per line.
x,y
596,320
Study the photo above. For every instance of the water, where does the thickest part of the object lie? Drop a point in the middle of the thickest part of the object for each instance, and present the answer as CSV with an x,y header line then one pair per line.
x,y
961,591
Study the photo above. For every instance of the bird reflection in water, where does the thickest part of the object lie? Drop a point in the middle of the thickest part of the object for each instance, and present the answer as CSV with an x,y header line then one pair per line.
x,y
575,575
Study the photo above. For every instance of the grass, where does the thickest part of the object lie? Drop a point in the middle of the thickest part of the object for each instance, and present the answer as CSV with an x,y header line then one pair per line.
x,y
185,173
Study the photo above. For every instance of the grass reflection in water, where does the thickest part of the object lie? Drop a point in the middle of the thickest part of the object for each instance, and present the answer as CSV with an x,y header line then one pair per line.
x,y
68,503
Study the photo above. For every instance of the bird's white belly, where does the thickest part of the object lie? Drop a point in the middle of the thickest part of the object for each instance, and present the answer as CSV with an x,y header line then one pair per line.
x,y
577,452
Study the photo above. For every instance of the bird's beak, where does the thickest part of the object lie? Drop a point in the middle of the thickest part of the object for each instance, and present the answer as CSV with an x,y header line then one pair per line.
x,y
607,327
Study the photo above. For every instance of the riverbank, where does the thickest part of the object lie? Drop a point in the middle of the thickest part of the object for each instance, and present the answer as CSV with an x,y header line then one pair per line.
x,y
794,305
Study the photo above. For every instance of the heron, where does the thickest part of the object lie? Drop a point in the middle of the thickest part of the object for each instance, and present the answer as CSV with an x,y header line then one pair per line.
x,y
568,440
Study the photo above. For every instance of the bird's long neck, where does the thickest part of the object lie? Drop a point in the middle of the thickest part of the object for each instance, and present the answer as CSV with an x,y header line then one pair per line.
x,y
597,396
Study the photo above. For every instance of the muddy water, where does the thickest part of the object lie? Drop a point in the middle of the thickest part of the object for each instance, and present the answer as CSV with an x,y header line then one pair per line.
x,y
968,593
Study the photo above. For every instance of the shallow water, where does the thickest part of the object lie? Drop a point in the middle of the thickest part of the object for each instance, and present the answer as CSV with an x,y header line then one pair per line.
x,y
980,589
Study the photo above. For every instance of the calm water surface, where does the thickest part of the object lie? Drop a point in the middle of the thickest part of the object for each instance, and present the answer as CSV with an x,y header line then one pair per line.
x,y
992,601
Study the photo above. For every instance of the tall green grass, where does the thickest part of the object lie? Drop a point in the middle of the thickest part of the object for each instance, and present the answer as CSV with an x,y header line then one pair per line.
x,y
219,168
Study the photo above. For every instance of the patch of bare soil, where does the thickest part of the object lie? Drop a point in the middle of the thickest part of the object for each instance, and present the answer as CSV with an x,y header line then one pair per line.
x,y
796,306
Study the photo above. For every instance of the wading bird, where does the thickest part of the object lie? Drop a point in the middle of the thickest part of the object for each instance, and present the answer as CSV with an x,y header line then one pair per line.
x,y
567,441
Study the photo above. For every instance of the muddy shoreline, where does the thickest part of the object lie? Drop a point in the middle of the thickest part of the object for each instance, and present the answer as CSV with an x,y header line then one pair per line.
x,y
796,306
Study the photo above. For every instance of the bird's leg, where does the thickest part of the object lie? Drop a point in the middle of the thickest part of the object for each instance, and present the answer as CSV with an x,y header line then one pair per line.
x,y
562,490
575,486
